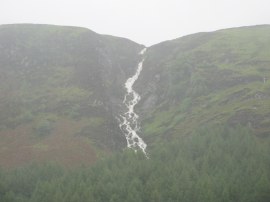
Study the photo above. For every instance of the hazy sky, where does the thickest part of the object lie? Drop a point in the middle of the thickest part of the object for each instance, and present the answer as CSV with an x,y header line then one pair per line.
x,y
144,21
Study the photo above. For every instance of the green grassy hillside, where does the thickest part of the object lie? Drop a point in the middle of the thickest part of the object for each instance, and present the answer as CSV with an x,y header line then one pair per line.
x,y
217,77
52,76
61,88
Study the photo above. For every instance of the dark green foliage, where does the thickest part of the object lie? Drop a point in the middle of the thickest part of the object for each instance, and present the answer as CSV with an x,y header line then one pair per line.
x,y
213,164
43,127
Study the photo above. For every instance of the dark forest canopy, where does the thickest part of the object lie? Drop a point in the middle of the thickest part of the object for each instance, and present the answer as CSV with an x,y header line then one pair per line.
x,y
213,164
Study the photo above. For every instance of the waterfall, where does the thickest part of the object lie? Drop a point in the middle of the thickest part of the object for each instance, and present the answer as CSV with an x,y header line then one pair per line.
x,y
129,120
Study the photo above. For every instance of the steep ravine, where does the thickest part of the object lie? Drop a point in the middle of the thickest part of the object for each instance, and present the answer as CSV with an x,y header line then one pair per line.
x,y
57,81
129,124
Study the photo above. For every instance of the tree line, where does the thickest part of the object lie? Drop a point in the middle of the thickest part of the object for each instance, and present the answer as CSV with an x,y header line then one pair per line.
x,y
212,164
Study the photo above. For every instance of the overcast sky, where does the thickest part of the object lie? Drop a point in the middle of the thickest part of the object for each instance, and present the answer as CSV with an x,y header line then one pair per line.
x,y
144,21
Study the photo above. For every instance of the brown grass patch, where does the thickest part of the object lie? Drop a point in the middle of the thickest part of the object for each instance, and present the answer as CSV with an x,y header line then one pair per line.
x,y
20,146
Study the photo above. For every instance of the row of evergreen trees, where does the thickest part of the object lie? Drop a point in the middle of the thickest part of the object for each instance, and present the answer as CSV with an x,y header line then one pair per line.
x,y
213,164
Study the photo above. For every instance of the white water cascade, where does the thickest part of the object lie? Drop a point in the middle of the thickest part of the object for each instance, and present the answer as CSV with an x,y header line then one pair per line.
x,y
129,120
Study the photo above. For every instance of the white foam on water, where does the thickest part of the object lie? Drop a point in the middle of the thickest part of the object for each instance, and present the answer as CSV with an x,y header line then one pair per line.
x,y
129,120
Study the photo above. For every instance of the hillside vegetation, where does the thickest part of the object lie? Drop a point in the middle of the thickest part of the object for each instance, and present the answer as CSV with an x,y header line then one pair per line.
x,y
217,77
61,85
213,164
204,111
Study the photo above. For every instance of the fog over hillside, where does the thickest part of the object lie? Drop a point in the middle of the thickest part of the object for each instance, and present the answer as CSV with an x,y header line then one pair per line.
x,y
92,117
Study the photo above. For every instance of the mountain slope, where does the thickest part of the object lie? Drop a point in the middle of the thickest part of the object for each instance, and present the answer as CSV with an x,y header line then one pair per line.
x,y
53,76
62,87
206,78
208,93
